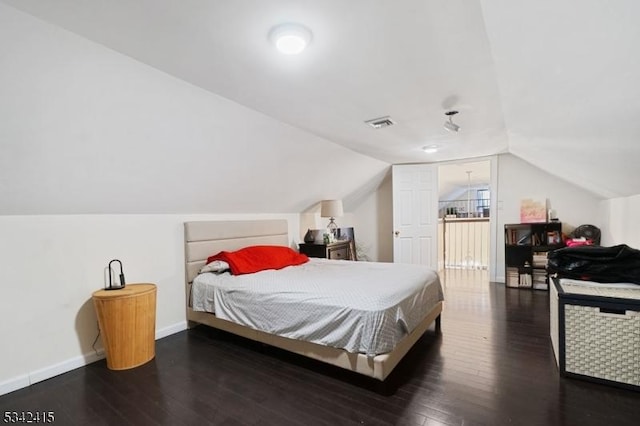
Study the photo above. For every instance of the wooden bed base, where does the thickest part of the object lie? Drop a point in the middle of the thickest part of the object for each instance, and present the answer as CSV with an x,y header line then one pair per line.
x,y
205,238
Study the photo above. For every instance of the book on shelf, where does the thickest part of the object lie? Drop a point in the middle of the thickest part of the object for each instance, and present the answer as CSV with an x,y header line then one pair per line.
x,y
513,277
539,273
536,239
517,236
525,280
541,286
540,279
539,259
539,276
512,236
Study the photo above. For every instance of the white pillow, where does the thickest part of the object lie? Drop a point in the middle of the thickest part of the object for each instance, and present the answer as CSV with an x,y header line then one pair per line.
x,y
215,266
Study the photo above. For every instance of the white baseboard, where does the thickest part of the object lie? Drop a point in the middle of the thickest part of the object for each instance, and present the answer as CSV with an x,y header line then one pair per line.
x,y
48,372
14,384
172,329
65,366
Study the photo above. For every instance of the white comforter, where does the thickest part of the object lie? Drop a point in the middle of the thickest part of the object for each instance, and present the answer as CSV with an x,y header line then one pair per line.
x,y
365,307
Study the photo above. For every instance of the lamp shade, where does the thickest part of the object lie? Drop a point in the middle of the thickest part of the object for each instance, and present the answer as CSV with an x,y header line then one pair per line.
x,y
331,208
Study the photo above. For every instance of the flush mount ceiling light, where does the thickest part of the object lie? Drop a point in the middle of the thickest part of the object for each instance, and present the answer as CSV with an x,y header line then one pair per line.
x,y
430,149
290,39
449,124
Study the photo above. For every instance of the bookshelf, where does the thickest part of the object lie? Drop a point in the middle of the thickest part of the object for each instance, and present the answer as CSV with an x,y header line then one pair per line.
x,y
525,253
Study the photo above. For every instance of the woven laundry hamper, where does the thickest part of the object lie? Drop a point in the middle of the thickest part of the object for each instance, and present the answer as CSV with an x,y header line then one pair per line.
x,y
595,331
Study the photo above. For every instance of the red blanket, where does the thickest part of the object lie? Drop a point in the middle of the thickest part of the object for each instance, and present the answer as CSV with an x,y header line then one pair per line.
x,y
258,258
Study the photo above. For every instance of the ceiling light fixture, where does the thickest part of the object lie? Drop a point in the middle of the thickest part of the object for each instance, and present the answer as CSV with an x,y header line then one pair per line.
x,y
430,149
449,124
290,39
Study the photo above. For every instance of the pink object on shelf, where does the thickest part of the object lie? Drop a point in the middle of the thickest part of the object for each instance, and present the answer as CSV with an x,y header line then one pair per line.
x,y
574,242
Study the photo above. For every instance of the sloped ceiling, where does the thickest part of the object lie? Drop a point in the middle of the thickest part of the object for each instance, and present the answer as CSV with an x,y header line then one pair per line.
x,y
457,178
568,78
86,130
552,82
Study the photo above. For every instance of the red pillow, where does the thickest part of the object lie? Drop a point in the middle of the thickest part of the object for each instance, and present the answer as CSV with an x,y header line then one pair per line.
x,y
258,258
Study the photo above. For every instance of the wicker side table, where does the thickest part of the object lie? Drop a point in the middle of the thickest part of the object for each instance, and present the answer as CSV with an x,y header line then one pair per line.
x,y
127,320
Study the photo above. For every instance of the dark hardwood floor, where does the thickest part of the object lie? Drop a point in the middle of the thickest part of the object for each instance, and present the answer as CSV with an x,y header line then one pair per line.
x,y
491,365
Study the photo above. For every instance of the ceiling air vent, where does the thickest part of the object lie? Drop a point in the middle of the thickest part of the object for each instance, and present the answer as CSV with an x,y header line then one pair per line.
x,y
379,123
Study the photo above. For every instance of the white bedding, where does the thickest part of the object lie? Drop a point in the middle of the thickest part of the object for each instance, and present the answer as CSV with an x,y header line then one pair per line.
x,y
365,307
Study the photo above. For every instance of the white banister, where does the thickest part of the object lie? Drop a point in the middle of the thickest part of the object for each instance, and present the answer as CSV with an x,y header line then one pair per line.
x,y
464,243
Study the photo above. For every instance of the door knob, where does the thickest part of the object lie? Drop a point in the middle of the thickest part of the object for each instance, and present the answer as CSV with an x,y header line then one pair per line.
x,y
397,233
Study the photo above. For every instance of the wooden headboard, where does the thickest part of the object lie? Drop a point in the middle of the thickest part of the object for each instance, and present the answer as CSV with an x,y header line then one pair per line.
x,y
203,239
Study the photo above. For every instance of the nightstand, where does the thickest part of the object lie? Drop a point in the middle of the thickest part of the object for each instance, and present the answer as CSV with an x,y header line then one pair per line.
x,y
340,250
127,320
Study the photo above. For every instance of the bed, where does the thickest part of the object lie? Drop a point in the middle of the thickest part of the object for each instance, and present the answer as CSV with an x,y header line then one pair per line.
x,y
204,238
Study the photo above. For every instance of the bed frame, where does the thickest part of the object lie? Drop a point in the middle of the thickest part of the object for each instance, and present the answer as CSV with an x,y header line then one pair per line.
x,y
202,239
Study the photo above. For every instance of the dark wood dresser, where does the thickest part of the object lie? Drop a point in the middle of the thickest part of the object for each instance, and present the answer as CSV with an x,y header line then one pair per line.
x,y
340,250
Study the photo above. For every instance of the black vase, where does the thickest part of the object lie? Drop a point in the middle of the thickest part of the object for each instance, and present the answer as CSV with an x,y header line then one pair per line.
x,y
309,237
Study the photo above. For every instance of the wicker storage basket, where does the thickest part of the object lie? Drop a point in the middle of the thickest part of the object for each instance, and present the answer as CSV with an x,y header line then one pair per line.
x,y
595,332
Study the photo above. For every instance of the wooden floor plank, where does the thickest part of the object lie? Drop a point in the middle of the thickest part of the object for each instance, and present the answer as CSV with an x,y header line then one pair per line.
x,y
491,365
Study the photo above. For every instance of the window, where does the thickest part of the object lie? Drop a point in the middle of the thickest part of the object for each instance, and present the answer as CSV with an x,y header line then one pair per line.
x,y
483,200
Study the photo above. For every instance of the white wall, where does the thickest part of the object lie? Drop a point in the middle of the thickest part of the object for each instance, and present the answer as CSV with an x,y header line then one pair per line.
x,y
369,211
88,130
621,216
52,264
85,129
518,179
373,222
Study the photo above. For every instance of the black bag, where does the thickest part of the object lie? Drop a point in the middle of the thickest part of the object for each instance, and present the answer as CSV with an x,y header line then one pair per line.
x,y
594,263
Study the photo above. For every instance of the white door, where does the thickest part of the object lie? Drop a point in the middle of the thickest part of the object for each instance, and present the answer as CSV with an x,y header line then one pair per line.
x,y
415,214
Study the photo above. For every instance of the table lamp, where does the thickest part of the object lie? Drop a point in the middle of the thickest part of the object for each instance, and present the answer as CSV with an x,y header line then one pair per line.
x,y
331,209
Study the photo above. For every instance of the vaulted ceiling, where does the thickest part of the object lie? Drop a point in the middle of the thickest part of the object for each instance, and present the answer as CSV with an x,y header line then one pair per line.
x,y
555,83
